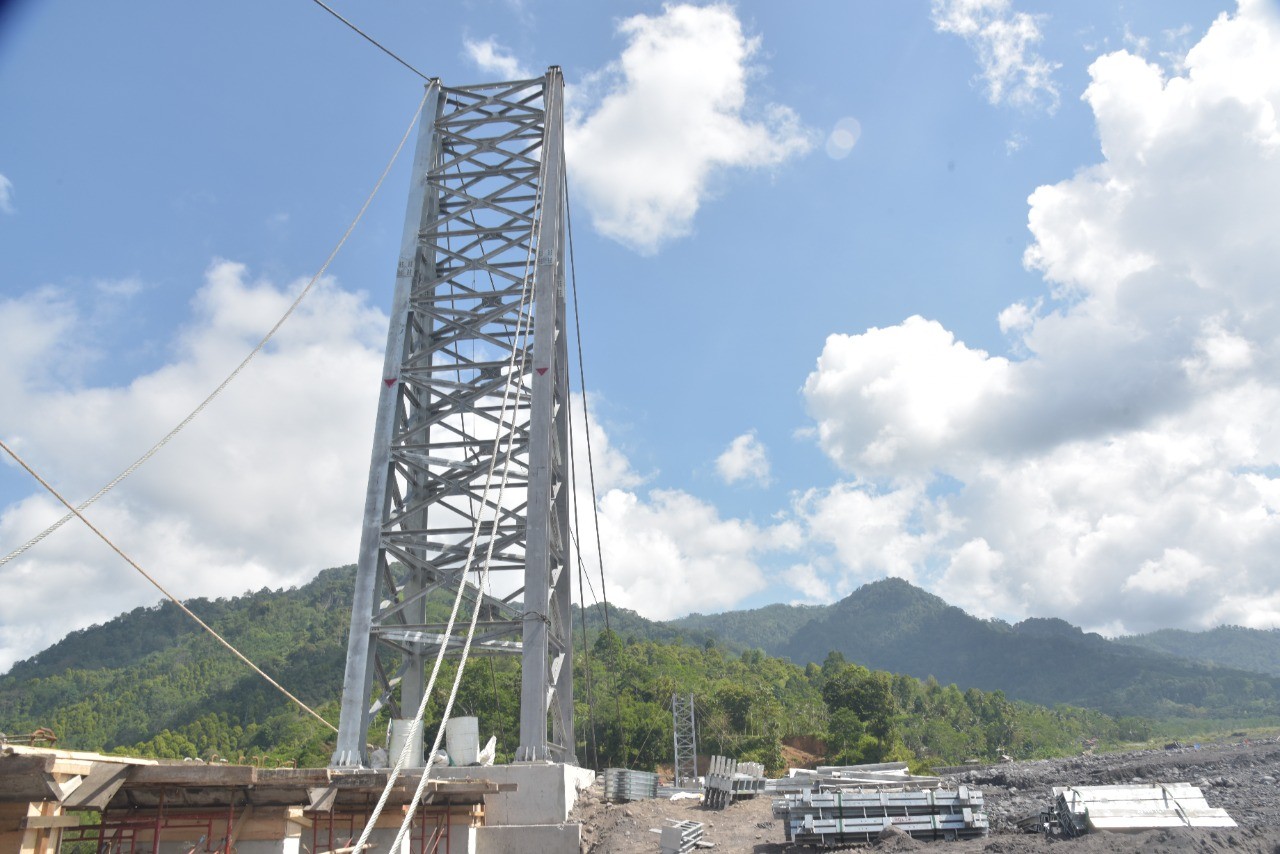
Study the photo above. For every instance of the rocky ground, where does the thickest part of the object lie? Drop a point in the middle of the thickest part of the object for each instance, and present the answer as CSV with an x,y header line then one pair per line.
x,y
1243,778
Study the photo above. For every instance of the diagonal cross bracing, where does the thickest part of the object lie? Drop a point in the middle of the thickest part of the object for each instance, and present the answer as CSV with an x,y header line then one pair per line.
x,y
478,316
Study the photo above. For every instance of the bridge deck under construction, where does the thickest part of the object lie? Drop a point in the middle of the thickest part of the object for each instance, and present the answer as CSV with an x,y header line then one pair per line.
x,y
50,796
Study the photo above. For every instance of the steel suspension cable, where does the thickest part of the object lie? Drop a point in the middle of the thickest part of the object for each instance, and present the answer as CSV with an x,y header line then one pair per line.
x,y
591,467
587,577
370,39
219,638
590,742
243,364
75,512
586,411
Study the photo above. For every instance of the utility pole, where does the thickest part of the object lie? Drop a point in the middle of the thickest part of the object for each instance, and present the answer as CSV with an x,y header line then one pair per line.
x,y
478,316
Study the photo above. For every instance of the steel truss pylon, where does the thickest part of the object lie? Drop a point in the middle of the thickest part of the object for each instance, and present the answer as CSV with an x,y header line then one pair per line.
x,y
686,740
480,277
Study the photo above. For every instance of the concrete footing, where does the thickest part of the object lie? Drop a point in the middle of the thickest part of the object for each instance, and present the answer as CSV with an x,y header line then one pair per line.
x,y
522,839
534,817
544,793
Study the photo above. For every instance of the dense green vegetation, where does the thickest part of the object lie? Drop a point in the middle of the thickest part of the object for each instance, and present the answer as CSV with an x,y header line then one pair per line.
x,y
768,628
749,705
151,683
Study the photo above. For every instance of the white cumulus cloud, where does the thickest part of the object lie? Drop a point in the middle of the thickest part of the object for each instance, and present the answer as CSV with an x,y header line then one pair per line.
x,y
872,532
264,488
491,57
1127,459
746,458
646,135
665,552
907,395
1012,70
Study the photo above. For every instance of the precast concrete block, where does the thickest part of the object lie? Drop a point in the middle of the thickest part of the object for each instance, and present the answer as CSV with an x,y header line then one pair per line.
x,y
544,795
523,839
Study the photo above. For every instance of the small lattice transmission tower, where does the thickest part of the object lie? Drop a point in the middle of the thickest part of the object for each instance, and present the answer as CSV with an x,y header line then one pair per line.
x,y
686,740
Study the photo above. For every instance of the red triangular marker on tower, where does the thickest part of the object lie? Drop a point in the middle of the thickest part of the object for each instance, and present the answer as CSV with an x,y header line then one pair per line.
x,y
390,381
540,371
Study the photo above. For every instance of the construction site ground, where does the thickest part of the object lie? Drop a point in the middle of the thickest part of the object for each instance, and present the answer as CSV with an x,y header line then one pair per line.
x,y
1243,778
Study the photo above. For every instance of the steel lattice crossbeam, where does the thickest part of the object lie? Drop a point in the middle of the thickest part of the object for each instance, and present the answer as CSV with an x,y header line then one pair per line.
x,y
475,381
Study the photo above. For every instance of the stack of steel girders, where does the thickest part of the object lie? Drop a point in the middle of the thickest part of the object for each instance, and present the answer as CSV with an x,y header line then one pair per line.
x,y
833,819
680,837
622,784
891,774
717,792
747,786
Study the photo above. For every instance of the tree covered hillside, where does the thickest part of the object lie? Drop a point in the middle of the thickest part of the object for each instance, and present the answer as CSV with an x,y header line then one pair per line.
x,y
768,628
1256,650
891,625
151,683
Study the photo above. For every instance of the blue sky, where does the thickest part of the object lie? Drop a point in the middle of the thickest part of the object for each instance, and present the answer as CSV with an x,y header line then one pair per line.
x,y
812,364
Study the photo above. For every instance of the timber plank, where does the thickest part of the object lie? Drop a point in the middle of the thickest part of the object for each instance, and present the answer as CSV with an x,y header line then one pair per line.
x,y
98,788
45,822
189,774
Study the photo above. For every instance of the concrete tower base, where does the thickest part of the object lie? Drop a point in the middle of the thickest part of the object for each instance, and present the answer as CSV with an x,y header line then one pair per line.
x,y
534,817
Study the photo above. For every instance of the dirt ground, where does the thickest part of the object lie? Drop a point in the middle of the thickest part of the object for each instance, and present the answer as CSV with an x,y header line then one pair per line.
x,y
1242,778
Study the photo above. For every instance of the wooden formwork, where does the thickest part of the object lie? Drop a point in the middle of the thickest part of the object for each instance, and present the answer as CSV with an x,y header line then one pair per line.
x,y
120,805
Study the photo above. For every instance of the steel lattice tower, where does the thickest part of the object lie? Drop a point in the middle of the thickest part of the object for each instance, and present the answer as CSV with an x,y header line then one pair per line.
x,y
483,246
686,739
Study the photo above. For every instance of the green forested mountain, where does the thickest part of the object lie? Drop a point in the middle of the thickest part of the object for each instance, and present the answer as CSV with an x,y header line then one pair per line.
x,y
892,625
769,628
154,681
150,682
1257,650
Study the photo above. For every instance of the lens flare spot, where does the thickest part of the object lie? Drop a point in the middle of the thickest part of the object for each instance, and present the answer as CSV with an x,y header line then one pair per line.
x,y
843,137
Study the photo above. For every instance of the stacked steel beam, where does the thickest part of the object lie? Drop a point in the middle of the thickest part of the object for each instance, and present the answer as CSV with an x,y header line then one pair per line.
x,y
749,780
717,792
680,837
829,777
623,784
834,819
